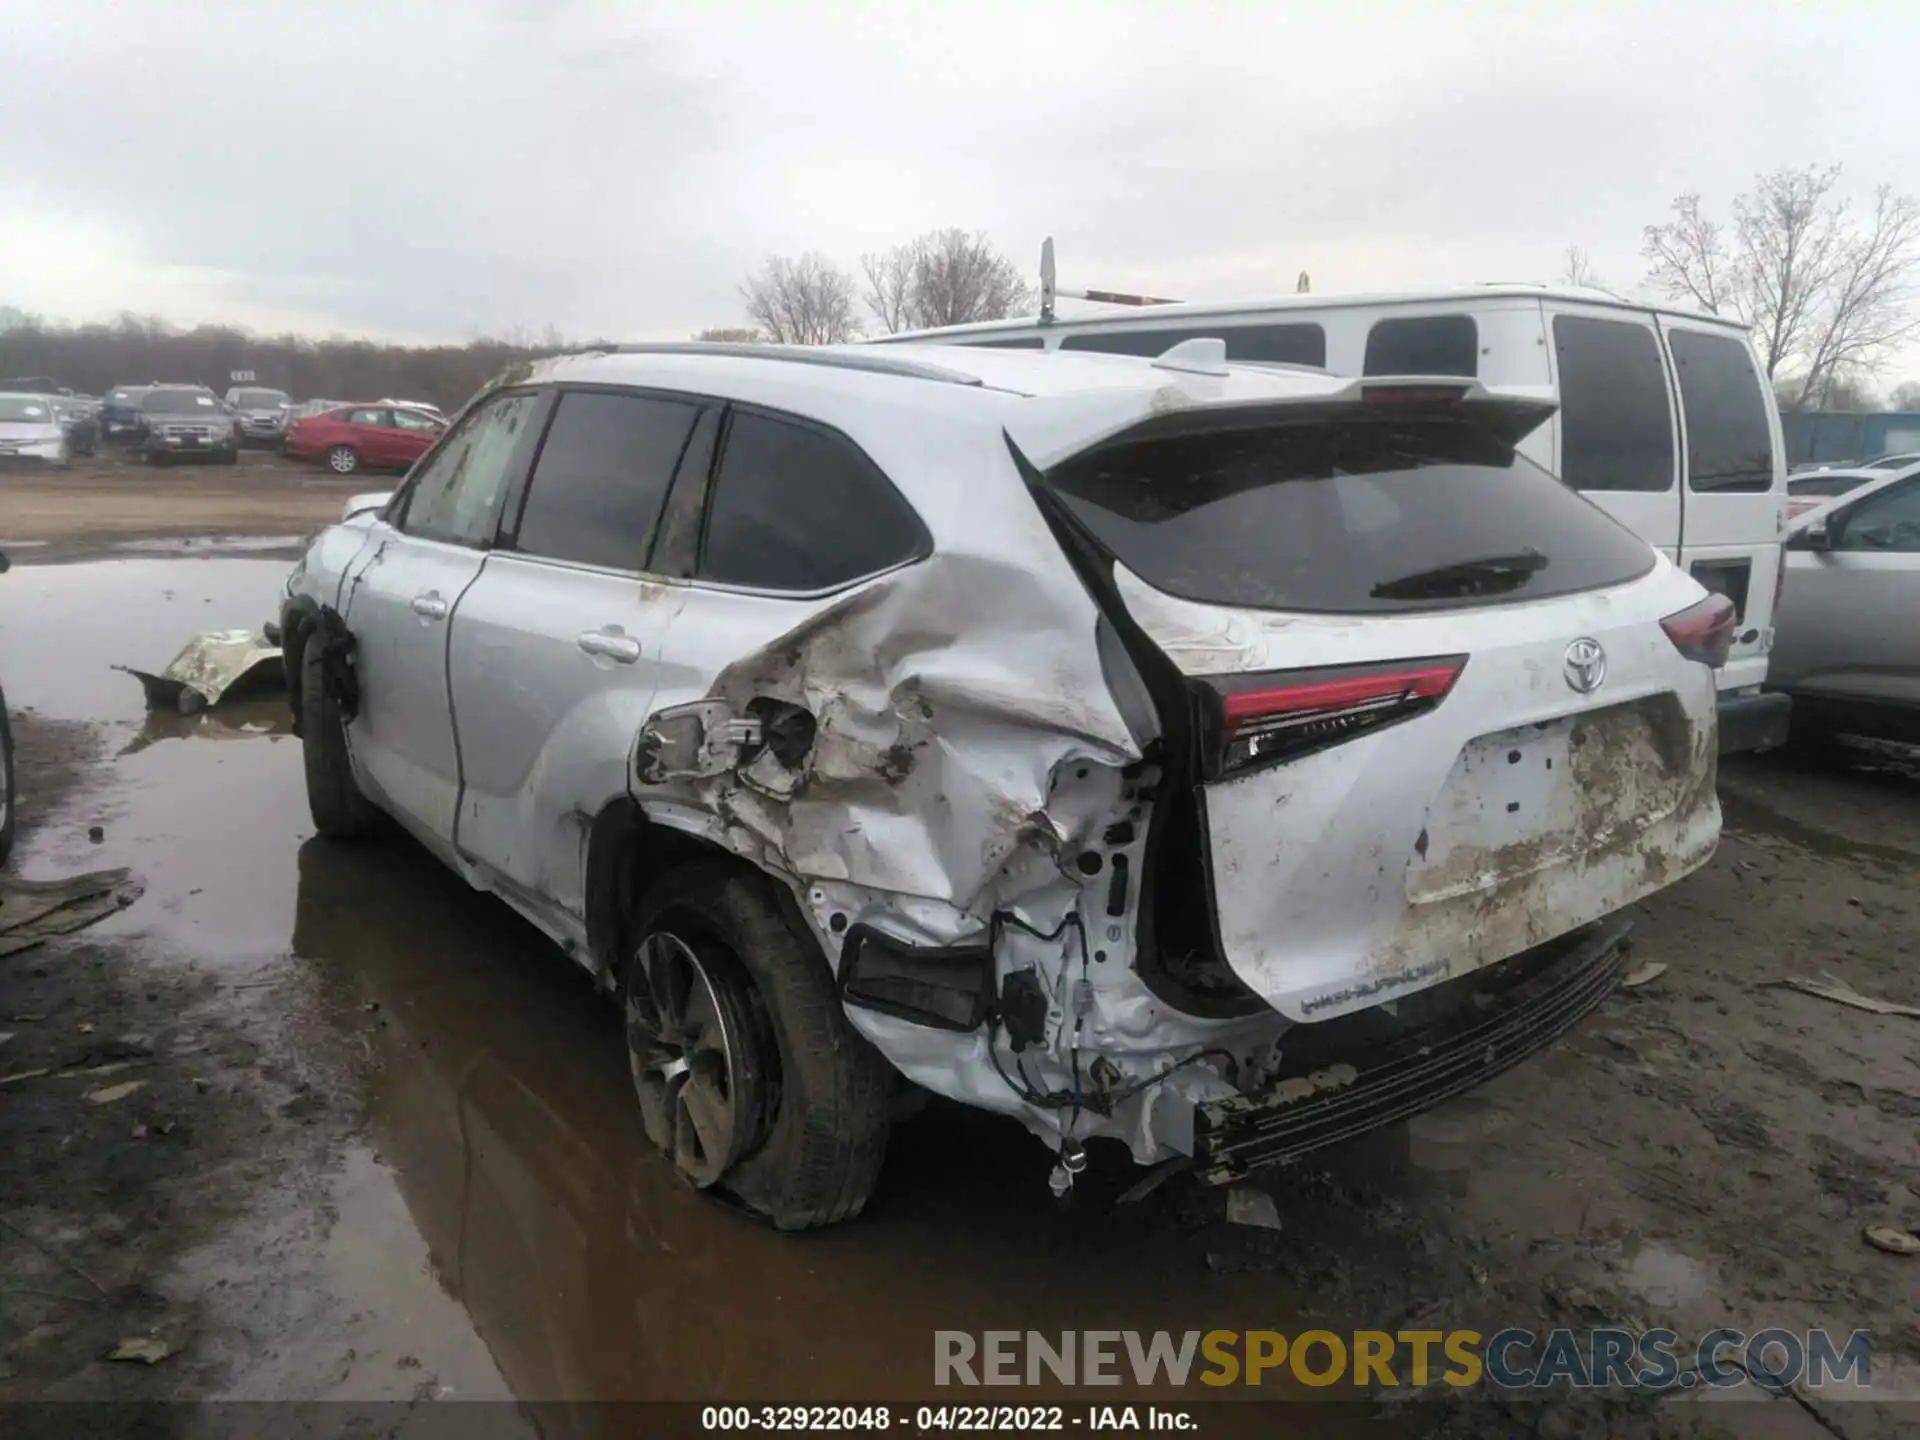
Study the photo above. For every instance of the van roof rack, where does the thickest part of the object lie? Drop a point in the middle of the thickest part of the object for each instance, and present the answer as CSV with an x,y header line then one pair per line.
x,y
1049,289
875,363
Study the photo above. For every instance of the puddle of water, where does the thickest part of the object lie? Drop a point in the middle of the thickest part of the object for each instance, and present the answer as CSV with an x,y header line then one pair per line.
x,y
198,545
63,627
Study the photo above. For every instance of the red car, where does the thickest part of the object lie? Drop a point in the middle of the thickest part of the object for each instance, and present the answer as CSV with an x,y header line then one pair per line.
x,y
380,437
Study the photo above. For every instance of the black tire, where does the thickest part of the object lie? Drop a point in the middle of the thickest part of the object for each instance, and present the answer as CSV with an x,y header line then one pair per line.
x,y
7,791
343,460
339,810
823,1132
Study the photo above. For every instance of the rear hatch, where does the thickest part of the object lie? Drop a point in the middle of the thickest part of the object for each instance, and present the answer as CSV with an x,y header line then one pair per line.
x,y
1432,714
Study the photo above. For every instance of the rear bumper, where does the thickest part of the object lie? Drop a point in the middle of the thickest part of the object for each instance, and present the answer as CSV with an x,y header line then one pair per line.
x,y
1754,720
1340,1102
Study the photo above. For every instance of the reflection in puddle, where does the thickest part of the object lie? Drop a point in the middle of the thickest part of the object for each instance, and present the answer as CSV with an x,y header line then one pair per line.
x,y
503,1106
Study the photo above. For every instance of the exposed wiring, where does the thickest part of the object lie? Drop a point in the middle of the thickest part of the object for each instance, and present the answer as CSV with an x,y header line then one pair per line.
x,y
1076,1098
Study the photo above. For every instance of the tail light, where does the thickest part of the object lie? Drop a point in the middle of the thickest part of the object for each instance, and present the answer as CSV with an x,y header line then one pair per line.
x,y
1412,394
1704,632
1264,719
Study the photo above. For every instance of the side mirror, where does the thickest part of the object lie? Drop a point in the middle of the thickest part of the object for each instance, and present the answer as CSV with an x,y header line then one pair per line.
x,y
1815,536
5,563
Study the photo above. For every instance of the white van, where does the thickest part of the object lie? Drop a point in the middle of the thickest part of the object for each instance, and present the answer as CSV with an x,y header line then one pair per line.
x,y
1665,421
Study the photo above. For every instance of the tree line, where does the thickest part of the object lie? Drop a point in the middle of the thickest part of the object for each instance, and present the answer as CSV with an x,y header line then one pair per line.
x,y
137,350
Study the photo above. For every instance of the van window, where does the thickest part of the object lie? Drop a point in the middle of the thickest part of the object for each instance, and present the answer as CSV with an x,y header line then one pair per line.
x,y
1024,342
1424,345
1616,425
1346,516
1274,344
1729,443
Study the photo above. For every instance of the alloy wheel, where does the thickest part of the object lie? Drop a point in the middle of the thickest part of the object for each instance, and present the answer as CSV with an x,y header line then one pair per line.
x,y
343,460
695,1051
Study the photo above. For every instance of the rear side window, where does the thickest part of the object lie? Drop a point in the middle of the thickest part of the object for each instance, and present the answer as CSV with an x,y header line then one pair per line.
x,y
1729,443
1275,344
1424,345
366,417
602,477
795,508
1346,516
1616,426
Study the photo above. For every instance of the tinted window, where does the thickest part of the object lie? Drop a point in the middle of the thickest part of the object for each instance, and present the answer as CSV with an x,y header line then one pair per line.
x,y
456,490
1346,516
1616,428
1029,342
1729,446
1424,345
1284,344
366,417
601,478
796,508
1888,521
414,420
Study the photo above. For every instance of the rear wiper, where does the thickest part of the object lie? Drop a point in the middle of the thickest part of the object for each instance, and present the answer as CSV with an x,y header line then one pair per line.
x,y
1488,575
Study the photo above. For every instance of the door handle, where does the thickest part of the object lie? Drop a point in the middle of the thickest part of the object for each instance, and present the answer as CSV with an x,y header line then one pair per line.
x,y
612,643
429,606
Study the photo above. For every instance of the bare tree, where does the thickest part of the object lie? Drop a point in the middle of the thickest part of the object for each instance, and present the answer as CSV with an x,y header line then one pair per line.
x,y
1905,396
945,277
1840,391
1577,269
731,334
809,301
890,276
1824,294
959,278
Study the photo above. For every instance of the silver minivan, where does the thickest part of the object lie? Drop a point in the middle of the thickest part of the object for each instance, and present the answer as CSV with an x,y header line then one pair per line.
x,y
1665,419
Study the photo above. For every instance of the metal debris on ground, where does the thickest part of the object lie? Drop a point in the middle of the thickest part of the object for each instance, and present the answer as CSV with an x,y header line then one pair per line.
x,y
1645,975
142,1348
1893,1240
115,1092
1247,1206
1828,988
1155,1178
211,666
35,910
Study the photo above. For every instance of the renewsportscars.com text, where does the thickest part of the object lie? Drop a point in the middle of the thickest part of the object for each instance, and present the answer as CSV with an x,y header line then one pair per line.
x,y
1513,1358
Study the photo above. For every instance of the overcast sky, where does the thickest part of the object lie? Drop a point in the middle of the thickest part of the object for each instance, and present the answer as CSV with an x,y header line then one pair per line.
x,y
433,171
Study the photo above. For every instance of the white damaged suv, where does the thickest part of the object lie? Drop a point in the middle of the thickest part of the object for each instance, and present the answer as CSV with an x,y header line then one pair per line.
x,y
1218,758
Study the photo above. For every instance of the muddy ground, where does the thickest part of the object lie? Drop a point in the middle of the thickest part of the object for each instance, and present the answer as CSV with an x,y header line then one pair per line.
x,y
111,503
383,1148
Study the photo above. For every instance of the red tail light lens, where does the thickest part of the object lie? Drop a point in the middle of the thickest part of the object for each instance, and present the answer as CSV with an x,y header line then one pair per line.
x,y
1278,716
1704,632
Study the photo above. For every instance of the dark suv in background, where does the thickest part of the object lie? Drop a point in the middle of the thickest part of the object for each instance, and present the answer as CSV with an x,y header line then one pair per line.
x,y
120,412
187,421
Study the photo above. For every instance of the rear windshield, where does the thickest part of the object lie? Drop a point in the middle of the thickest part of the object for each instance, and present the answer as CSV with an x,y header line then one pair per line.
x,y
259,399
1346,516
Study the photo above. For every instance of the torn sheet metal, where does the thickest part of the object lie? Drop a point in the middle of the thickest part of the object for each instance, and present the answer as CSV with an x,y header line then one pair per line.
x,y
32,911
210,667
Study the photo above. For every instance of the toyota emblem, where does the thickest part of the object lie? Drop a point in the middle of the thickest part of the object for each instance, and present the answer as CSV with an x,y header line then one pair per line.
x,y
1586,665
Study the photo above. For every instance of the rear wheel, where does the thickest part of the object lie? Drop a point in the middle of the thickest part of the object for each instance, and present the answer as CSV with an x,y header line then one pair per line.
x,y
750,1078
339,810
343,460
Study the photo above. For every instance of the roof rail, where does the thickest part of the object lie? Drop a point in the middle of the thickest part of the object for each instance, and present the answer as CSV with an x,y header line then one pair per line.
x,y
873,363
